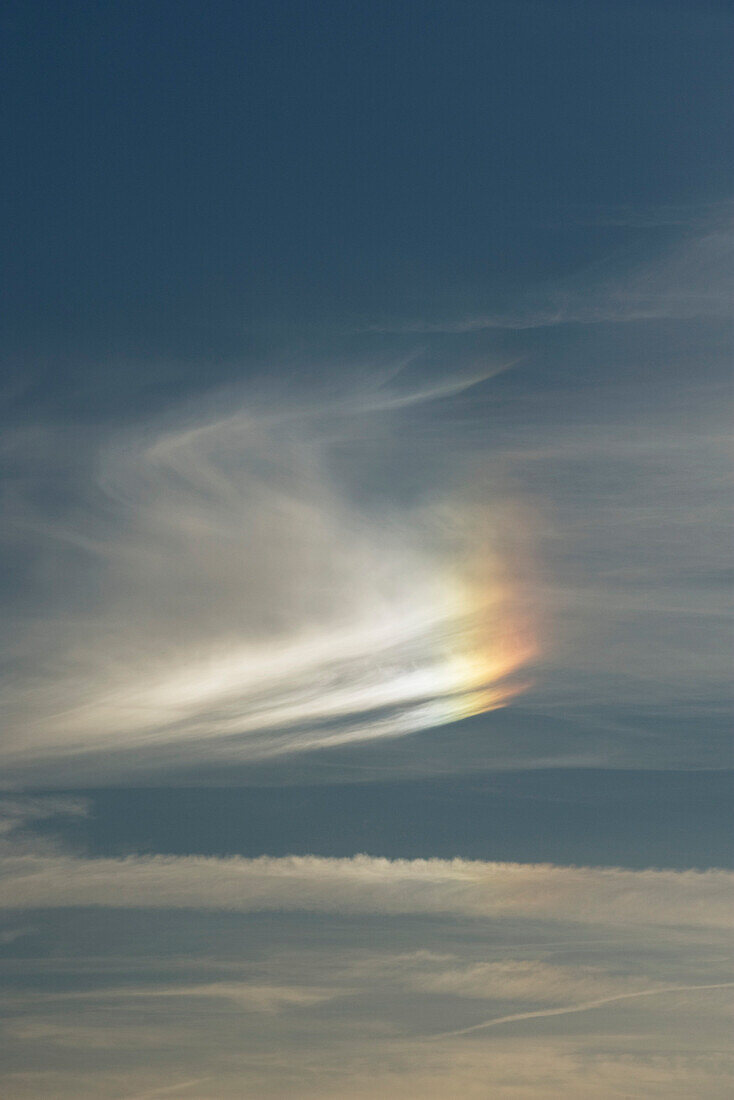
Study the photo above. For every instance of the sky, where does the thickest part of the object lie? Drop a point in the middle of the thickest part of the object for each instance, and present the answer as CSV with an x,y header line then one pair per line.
x,y
365,565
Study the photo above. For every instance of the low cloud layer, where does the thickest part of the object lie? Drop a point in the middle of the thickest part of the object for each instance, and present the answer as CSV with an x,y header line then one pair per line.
x,y
526,980
370,885
360,977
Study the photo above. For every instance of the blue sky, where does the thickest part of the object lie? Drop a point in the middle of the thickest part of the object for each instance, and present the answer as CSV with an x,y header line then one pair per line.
x,y
366,558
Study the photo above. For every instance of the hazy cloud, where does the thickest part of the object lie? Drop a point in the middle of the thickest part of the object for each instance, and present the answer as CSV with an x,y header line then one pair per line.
x,y
216,582
371,885
692,279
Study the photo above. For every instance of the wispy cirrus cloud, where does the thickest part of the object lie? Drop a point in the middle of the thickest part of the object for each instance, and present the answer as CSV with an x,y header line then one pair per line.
x,y
289,976
691,279
247,996
365,884
15,813
588,1006
213,580
312,563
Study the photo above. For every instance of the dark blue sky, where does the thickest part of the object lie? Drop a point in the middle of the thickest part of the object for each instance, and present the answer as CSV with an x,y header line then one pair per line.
x,y
185,181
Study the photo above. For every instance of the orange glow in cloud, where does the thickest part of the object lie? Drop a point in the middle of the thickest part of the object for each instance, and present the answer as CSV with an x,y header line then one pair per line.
x,y
328,625
494,635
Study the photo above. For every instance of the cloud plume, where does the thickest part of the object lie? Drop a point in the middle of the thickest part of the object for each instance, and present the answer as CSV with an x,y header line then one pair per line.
x,y
371,885
216,580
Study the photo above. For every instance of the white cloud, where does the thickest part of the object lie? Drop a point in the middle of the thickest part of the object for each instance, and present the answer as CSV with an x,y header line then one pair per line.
x,y
526,981
216,586
554,1069
21,810
529,979
246,996
370,885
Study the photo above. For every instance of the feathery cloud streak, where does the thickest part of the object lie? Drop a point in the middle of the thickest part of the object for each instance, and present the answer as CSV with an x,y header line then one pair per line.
x,y
692,280
432,970
371,885
217,581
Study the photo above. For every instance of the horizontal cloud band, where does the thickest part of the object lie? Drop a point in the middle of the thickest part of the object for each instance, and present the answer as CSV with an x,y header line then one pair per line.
x,y
364,884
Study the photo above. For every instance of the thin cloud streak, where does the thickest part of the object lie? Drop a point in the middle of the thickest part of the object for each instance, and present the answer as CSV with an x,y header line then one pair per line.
x,y
247,996
365,884
694,280
166,1090
567,1010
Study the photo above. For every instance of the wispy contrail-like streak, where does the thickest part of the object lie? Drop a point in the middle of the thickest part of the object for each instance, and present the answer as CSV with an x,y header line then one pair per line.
x,y
166,1090
567,1010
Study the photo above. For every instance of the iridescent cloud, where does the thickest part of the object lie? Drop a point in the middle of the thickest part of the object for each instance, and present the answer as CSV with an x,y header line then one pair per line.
x,y
231,588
